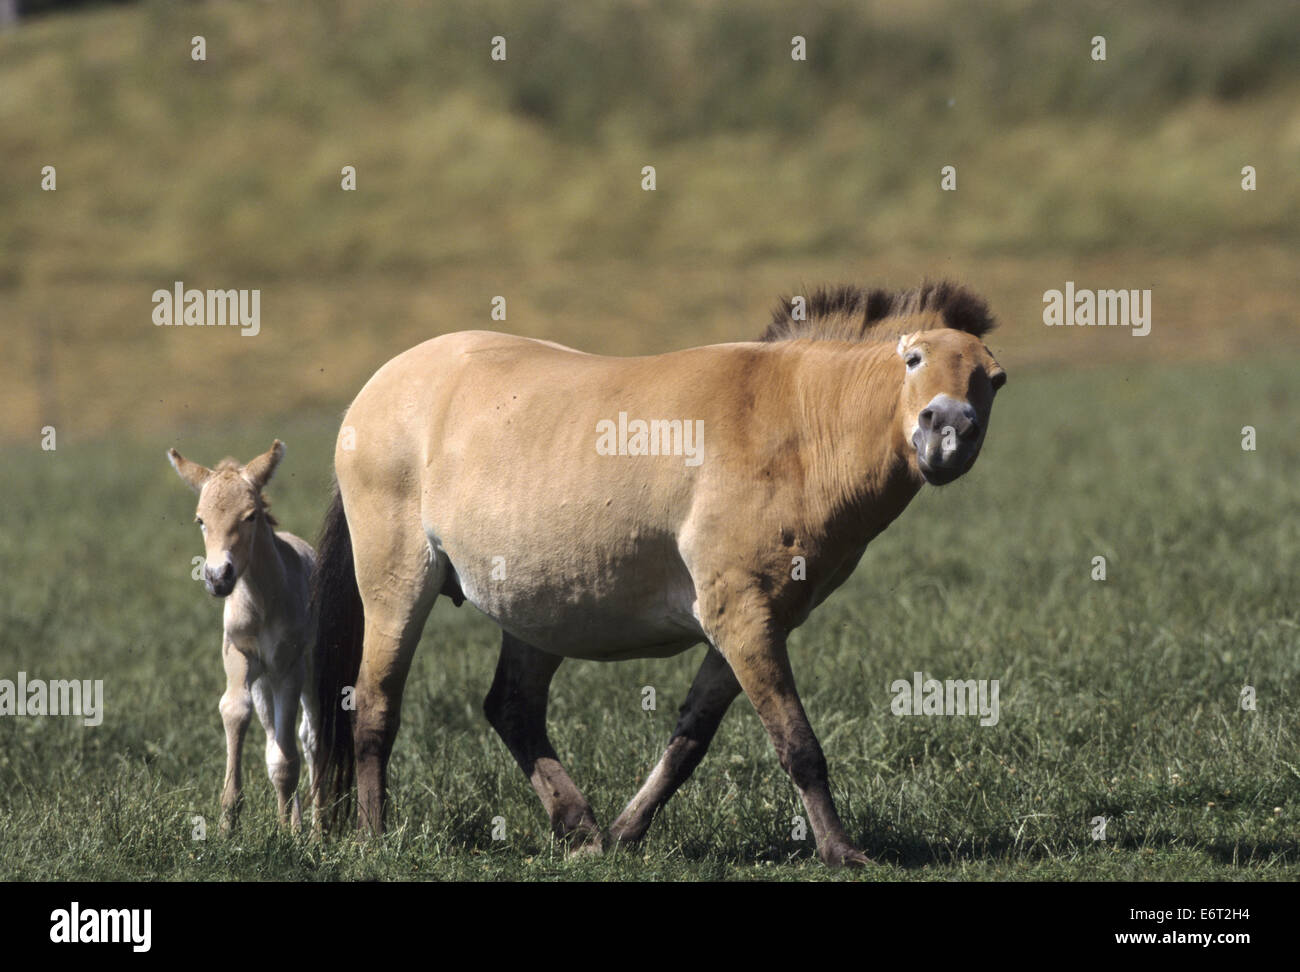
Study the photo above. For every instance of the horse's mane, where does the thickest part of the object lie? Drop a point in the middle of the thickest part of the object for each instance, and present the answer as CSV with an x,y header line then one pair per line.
x,y
233,465
857,314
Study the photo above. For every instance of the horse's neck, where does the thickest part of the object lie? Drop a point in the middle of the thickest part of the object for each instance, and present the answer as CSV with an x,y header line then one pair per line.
x,y
265,578
860,477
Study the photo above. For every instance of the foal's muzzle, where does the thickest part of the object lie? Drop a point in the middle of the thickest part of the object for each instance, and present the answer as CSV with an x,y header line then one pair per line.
x,y
219,582
947,439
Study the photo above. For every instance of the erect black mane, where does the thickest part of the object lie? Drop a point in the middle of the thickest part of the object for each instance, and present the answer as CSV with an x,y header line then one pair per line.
x,y
848,313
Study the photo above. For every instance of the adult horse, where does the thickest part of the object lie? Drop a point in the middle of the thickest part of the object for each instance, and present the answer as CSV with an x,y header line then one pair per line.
x,y
609,508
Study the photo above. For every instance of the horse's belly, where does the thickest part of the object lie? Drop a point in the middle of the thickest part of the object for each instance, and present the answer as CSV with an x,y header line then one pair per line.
x,y
610,614
639,638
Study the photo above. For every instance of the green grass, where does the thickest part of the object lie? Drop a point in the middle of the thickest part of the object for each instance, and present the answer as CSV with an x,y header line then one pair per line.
x,y
1119,698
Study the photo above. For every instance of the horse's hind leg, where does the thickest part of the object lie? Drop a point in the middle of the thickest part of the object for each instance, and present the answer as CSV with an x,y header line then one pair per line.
x,y
516,708
711,694
398,576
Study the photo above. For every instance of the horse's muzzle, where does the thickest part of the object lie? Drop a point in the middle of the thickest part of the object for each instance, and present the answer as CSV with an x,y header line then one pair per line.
x,y
947,439
219,582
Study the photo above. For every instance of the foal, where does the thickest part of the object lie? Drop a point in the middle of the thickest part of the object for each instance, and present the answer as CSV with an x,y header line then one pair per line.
x,y
265,576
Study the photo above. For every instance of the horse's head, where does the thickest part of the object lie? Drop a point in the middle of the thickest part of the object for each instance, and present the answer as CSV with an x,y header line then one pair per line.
x,y
230,505
949,380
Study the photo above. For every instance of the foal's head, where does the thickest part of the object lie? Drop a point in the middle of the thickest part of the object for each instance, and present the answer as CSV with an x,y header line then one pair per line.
x,y
947,377
231,506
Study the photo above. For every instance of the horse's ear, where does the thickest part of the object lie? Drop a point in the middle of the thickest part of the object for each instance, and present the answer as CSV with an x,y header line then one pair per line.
x,y
191,472
260,470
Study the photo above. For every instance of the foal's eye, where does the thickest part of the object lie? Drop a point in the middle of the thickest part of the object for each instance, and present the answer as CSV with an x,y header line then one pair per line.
x,y
199,521
249,518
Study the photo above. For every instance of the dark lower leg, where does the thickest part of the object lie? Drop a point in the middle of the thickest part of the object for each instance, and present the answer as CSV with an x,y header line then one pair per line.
x,y
707,702
516,708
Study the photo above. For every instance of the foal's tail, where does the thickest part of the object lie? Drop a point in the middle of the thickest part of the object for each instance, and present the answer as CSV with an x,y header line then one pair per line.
x,y
340,627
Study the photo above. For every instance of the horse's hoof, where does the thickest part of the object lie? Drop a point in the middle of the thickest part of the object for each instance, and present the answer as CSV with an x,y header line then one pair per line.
x,y
846,855
623,836
590,846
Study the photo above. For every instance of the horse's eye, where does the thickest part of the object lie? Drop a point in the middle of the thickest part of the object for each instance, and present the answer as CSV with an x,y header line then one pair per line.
x,y
251,517
913,360
199,521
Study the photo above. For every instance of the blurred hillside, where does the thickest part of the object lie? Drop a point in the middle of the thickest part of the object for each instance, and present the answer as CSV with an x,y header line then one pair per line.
x,y
523,178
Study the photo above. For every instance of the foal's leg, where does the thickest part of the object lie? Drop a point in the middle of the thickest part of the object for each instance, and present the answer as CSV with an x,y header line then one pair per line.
x,y
283,764
308,736
236,712
758,657
711,695
264,706
516,708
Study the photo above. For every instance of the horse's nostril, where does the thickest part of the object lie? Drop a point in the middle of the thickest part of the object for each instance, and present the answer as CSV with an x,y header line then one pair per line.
x,y
222,576
926,418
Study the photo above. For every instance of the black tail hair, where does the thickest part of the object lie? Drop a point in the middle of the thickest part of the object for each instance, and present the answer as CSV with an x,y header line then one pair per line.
x,y
340,628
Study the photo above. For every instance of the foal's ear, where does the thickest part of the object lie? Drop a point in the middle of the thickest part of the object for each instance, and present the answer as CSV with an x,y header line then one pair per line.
x,y
260,470
191,472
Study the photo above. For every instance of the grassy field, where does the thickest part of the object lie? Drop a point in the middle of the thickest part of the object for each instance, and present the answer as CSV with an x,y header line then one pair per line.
x,y
1119,698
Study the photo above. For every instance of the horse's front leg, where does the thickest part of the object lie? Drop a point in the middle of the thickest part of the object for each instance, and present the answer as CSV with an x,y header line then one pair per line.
x,y
236,712
707,702
756,651
516,708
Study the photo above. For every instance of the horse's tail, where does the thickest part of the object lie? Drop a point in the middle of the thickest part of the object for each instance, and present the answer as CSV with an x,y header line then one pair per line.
x,y
340,628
